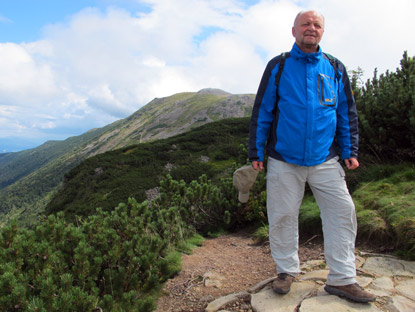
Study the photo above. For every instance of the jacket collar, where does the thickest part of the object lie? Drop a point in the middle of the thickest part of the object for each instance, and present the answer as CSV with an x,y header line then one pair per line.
x,y
305,57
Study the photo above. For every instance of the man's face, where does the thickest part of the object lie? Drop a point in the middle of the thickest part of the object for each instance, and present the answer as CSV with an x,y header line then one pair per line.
x,y
308,30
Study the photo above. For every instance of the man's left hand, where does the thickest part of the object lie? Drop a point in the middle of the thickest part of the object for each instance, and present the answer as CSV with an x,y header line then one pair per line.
x,y
351,163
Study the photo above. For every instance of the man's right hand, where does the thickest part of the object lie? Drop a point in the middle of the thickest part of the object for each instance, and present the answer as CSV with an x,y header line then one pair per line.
x,y
258,165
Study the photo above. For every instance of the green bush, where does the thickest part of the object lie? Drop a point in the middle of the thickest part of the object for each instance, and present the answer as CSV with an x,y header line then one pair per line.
x,y
113,261
200,204
386,107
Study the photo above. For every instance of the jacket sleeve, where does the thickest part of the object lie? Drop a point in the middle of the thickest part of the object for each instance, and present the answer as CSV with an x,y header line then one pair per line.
x,y
347,132
262,113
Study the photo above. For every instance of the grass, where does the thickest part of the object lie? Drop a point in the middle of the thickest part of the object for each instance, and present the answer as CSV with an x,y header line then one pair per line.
x,y
174,255
386,208
261,235
191,243
219,232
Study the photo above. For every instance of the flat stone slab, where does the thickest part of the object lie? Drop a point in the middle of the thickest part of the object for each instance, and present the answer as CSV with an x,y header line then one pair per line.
x,y
382,283
391,279
407,288
399,303
319,275
390,267
269,301
333,303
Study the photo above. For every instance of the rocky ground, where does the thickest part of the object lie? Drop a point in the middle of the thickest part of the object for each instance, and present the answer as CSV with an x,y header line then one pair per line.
x,y
234,264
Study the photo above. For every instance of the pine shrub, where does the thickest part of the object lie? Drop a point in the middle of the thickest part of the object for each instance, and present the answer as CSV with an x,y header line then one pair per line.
x,y
112,260
386,107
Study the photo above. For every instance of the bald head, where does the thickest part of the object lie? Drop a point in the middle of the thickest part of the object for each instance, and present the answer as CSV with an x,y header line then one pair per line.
x,y
316,13
308,30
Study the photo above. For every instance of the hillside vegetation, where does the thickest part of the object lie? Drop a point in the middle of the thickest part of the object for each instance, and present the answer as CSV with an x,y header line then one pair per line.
x,y
110,178
29,179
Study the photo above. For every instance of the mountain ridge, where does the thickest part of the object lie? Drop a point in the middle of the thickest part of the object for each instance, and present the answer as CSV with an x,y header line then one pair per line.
x,y
30,178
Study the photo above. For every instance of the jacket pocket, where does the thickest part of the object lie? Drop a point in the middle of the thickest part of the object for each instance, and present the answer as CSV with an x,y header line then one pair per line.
x,y
327,90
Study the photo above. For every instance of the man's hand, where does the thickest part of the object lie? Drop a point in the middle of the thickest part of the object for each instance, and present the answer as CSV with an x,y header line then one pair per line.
x,y
258,165
351,163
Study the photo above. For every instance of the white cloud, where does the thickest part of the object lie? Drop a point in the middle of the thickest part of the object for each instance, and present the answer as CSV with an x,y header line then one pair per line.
x,y
22,78
370,34
98,66
4,19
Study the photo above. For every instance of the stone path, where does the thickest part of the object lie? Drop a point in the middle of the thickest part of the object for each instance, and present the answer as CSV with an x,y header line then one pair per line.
x,y
392,280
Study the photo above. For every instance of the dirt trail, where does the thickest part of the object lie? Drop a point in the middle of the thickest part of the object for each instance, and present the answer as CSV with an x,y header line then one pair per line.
x,y
222,266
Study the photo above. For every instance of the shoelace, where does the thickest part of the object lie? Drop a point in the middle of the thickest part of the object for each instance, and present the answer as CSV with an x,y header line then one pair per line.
x,y
282,276
358,286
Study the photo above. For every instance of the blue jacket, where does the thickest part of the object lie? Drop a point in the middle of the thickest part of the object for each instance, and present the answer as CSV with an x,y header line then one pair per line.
x,y
315,118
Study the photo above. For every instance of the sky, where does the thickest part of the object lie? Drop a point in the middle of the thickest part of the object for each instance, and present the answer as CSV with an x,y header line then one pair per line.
x,y
69,66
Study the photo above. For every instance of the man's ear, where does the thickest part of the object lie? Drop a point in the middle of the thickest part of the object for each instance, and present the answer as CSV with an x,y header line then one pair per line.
x,y
293,31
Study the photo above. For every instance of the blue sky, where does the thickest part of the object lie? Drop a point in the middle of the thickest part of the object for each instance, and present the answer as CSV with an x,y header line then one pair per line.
x,y
23,20
68,66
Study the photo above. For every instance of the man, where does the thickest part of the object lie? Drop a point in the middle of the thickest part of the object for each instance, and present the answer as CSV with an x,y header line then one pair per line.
x,y
304,123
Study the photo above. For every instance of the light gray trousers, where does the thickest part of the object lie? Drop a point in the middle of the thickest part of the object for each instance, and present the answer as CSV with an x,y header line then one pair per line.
x,y
285,191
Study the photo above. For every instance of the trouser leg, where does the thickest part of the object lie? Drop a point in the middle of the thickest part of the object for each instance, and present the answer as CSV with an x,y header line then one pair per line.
x,y
338,215
285,191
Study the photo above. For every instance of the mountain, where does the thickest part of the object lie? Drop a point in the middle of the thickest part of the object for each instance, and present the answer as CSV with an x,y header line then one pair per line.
x,y
29,179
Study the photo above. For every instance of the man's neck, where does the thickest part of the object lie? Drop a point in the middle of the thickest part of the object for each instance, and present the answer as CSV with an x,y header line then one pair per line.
x,y
308,49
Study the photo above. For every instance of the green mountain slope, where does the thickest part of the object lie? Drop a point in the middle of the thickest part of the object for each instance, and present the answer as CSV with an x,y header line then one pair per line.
x,y
29,179
14,166
111,178
28,196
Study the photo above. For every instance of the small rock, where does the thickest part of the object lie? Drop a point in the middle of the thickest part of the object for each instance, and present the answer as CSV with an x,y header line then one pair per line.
x,y
204,158
207,298
213,280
